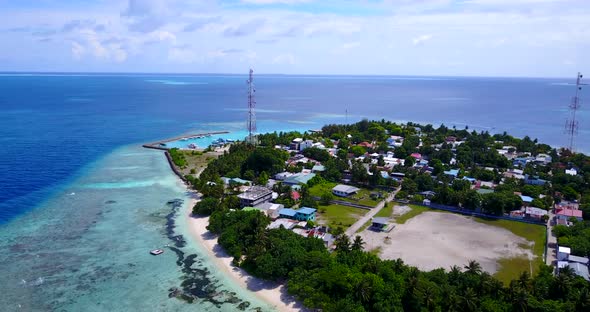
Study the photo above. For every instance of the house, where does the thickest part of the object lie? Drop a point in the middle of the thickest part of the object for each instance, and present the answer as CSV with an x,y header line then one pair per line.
x,y
535,213
572,172
299,178
452,173
301,214
543,159
563,253
254,196
318,168
416,155
578,268
283,175
286,223
566,213
427,194
365,144
379,223
344,190
533,180
526,199
305,144
270,209
295,144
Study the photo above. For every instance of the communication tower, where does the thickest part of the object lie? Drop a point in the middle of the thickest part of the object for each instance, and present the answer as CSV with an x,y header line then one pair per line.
x,y
251,105
571,124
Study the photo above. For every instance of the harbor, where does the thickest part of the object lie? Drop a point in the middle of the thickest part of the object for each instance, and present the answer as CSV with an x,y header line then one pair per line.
x,y
198,141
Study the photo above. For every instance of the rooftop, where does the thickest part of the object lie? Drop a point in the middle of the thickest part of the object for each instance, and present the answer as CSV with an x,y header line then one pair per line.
x,y
380,221
306,210
287,212
345,188
564,249
569,213
255,192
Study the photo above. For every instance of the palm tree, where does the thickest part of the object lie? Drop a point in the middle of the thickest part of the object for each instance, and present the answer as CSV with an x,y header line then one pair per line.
x,y
524,281
429,294
358,243
343,243
469,300
454,275
473,267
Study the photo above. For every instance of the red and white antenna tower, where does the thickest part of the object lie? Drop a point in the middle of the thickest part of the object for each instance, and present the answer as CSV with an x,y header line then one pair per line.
x,y
251,106
571,124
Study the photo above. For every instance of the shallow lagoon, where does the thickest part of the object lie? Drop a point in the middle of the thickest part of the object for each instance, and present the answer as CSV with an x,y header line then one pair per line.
x,y
88,248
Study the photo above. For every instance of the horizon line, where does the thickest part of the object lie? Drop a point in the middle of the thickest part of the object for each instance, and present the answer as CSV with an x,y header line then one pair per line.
x,y
267,74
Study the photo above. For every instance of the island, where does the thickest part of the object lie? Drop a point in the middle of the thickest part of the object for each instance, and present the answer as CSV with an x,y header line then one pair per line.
x,y
381,216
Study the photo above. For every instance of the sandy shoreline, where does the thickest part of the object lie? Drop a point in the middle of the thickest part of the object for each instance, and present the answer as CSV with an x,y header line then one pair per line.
x,y
274,294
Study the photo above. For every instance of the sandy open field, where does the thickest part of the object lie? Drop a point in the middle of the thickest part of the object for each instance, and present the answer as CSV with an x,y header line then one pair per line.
x,y
433,239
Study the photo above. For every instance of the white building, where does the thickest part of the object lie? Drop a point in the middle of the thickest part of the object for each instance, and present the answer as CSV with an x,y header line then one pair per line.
x,y
563,253
344,190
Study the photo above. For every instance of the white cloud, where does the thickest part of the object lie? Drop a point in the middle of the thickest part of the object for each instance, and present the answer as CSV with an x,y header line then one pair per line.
x,y
276,1
77,50
288,59
421,39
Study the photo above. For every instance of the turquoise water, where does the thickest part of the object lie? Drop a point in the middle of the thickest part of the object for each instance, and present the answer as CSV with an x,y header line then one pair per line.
x,y
80,207
88,248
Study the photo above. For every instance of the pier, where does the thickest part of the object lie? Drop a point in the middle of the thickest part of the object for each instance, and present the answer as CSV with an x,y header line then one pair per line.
x,y
159,144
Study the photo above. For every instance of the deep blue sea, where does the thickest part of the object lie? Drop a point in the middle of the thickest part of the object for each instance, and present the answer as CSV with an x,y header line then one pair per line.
x,y
70,150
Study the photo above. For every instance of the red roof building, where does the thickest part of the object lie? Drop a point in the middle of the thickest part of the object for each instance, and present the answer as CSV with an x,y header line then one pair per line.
x,y
416,155
365,144
568,213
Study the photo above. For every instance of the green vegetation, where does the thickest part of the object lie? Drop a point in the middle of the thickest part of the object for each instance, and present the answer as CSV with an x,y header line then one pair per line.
x,y
340,216
351,279
577,237
321,188
386,211
177,157
536,234
416,210
363,197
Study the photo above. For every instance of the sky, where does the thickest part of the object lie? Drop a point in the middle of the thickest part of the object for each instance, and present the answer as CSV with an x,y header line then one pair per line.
x,y
507,38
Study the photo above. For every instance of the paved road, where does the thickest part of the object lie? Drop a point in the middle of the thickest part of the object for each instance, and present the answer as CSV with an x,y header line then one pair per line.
x,y
351,231
551,241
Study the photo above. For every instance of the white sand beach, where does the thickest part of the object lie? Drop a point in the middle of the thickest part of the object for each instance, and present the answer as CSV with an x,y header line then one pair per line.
x,y
273,293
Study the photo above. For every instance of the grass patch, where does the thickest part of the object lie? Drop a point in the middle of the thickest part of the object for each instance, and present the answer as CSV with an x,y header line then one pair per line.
x,y
319,189
375,251
364,227
416,210
338,215
363,197
196,160
510,268
386,211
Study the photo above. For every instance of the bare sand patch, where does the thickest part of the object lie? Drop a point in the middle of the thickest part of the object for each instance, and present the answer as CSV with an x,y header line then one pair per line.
x,y
400,210
433,240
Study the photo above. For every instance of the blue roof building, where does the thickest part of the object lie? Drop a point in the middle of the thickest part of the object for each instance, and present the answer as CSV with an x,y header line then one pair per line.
x,y
302,214
299,178
453,172
526,199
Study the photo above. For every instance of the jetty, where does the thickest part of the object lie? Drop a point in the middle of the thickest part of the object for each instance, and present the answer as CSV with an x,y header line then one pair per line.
x,y
161,145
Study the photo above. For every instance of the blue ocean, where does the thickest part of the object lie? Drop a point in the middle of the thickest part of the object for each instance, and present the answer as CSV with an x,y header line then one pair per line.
x,y
82,202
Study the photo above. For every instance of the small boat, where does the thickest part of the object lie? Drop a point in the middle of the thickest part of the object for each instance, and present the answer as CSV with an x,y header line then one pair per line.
x,y
230,141
192,146
156,252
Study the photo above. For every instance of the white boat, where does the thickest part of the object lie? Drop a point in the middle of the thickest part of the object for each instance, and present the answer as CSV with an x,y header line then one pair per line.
x,y
156,252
